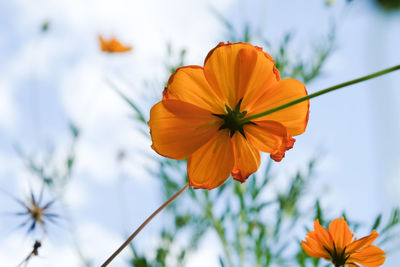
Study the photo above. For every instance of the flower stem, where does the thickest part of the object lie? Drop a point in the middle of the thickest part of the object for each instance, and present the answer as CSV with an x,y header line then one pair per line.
x,y
110,259
321,92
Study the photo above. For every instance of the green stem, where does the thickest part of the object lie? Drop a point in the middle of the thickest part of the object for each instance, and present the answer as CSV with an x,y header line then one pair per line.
x,y
322,92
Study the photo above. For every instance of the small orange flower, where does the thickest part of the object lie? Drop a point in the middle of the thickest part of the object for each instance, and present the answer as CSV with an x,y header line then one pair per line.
x,y
337,246
113,46
201,115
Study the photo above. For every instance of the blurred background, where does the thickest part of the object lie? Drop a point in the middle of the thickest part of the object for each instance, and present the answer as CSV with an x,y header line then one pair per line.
x,y
73,139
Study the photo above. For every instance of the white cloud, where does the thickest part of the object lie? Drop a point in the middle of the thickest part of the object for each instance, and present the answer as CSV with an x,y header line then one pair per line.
x,y
98,244
75,195
8,112
207,254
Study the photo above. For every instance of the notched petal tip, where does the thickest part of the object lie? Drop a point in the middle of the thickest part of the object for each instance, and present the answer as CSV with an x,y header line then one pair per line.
x,y
277,156
287,144
238,176
259,49
247,158
171,78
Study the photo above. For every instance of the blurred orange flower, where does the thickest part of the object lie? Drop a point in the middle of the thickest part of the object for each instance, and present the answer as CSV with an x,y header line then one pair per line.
x,y
113,46
201,115
337,246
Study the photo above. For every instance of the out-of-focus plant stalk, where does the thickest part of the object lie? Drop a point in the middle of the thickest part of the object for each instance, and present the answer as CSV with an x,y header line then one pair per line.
x,y
111,258
219,229
321,92
242,227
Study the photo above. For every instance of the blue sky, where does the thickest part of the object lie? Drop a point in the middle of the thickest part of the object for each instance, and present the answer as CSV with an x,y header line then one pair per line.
x,y
47,80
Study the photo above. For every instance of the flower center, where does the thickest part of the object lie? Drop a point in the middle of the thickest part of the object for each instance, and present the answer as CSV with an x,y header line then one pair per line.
x,y
339,258
233,119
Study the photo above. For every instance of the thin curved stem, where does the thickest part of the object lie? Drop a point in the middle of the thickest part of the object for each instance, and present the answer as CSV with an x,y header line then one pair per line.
x,y
111,258
321,92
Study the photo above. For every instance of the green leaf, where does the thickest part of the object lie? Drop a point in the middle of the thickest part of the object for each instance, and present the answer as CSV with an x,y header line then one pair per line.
x,y
221,261
318,213
74,130
377,222
139,113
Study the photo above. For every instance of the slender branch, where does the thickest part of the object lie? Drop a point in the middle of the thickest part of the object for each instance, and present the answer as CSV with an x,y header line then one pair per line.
x,y
321,92
110,259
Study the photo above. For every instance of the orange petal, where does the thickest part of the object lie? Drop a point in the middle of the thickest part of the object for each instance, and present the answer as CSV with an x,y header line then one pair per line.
x,y
103,44
323,236
270,137
256,79
314,250
239,70
287,144
113,46
313,243
370,256
340,233
212,163
189,84
314,247
247,158
294,118
178,128
362,242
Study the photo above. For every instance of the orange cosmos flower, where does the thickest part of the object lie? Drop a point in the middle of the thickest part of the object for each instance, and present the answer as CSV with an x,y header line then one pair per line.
x,y
201,115
337,246
113,46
